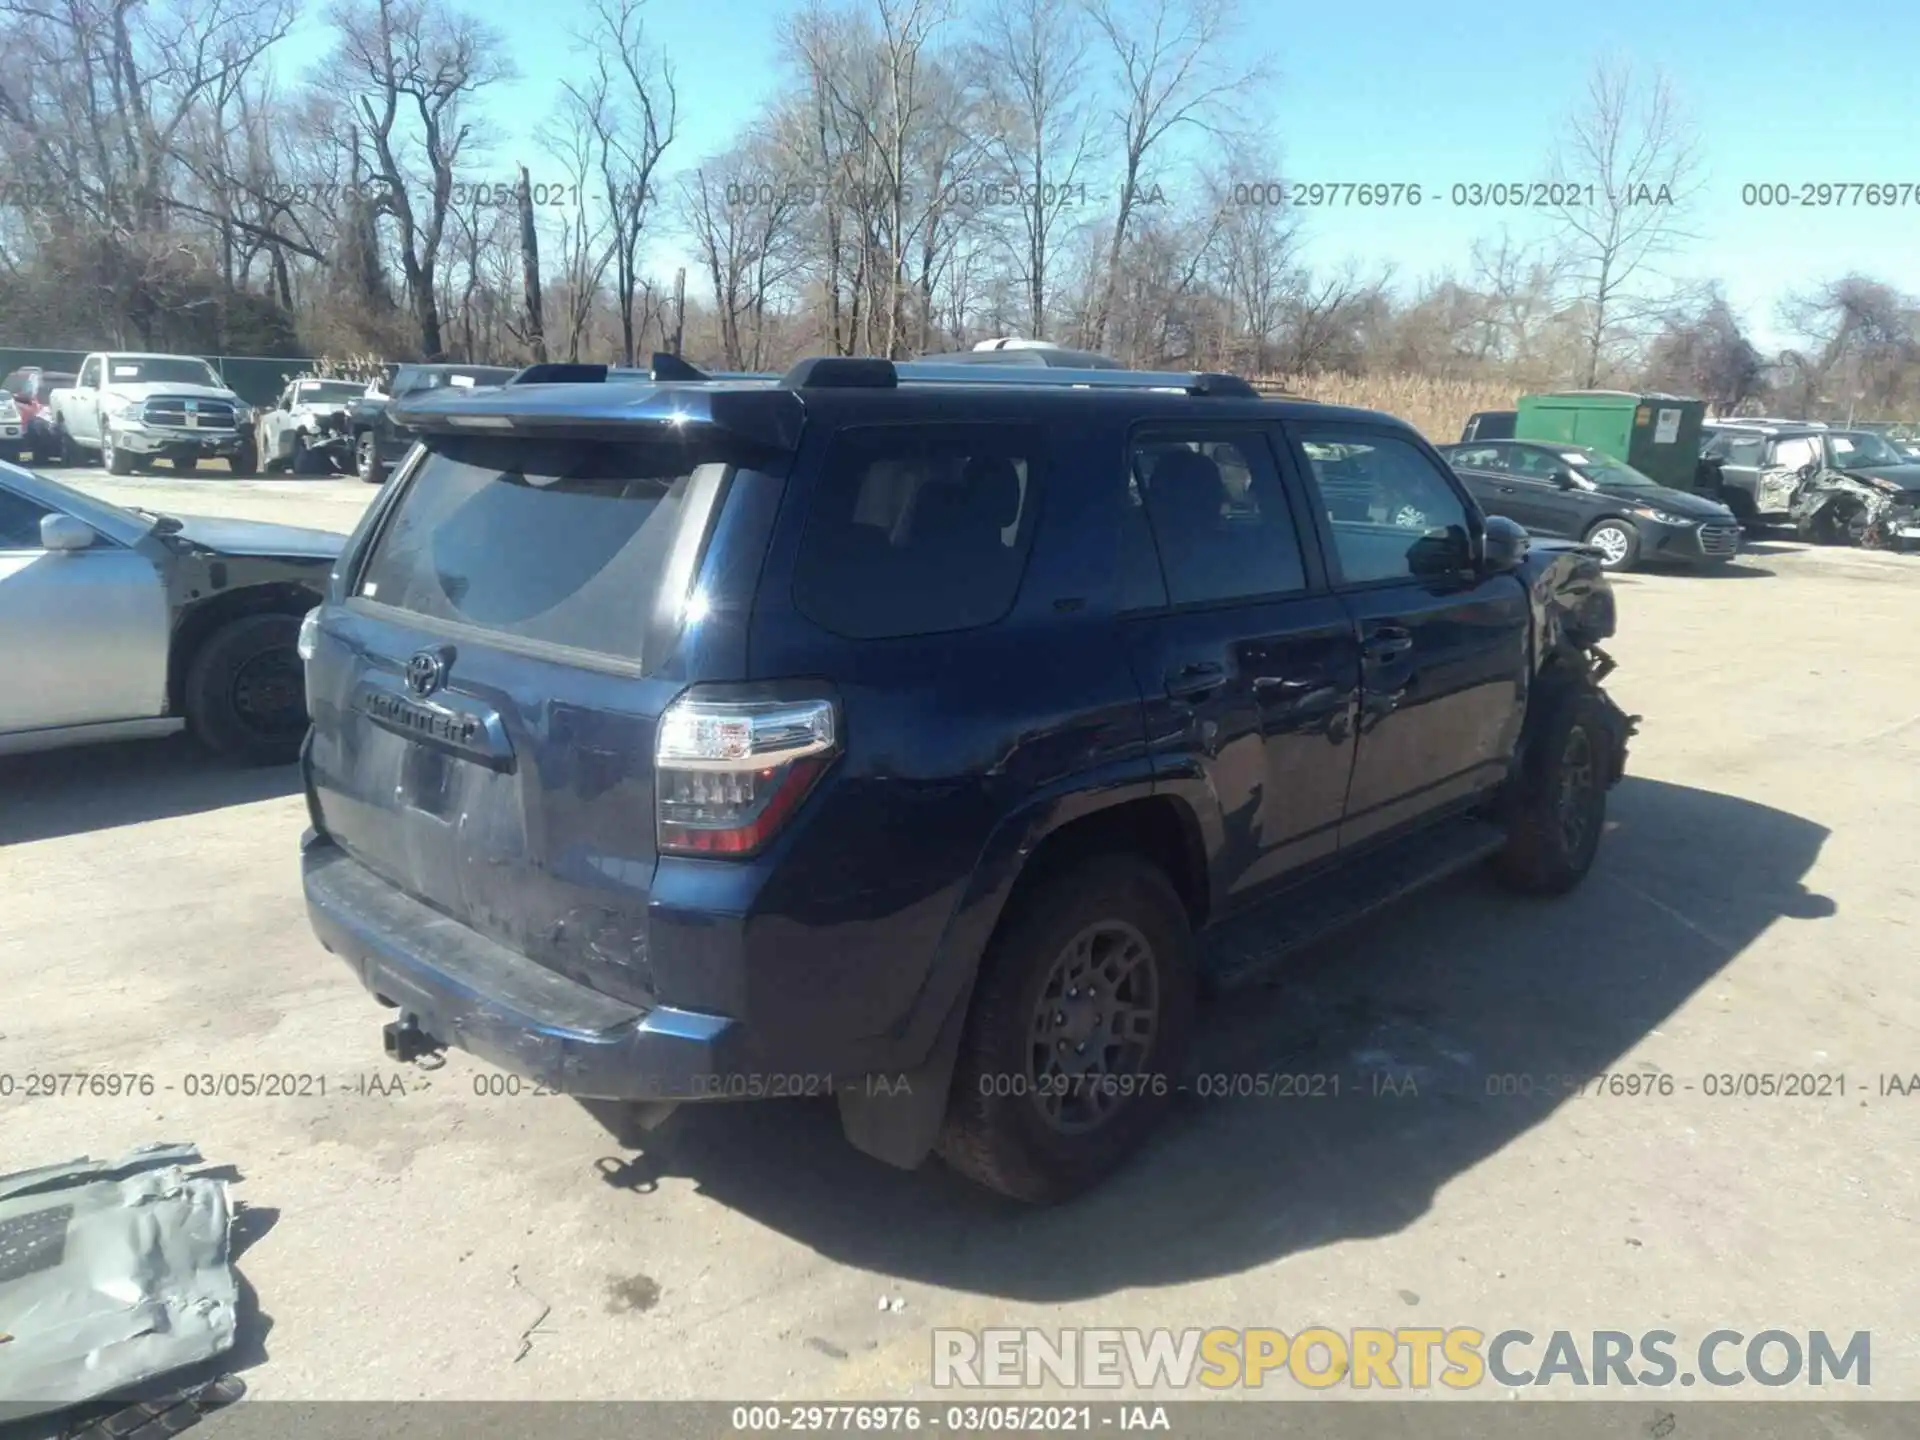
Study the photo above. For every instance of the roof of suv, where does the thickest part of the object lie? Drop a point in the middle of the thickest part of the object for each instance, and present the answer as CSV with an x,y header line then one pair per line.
x,y
770,408
1768,426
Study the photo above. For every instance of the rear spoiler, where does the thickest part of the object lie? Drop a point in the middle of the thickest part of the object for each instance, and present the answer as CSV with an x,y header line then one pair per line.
x,y
602,401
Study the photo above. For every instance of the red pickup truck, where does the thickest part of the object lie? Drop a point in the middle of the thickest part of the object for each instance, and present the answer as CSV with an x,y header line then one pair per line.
x,y
29,387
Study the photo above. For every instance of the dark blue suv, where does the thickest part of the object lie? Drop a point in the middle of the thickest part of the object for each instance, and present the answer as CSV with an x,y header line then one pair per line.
x,y
924,734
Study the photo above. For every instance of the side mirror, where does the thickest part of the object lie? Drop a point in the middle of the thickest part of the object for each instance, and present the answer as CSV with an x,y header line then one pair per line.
x,y
60,533
1565,479
1440,553
1503,546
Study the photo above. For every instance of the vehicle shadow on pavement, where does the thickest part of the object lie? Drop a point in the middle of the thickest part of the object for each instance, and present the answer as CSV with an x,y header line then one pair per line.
x,y
1428,1015
101,787
1739,569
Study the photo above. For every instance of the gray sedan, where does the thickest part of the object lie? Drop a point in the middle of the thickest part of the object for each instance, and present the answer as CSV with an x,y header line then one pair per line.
x,y
120,624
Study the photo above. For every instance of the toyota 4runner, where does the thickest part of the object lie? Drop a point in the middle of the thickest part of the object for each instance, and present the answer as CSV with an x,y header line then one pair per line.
x,y
918,734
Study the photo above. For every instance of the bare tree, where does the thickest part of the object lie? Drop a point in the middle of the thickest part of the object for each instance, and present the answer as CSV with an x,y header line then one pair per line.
x,y
632,107
585,225
1174,73
1862,347
1255,265
1706,354
1627,171
413,65
745,236
1034,54
536,333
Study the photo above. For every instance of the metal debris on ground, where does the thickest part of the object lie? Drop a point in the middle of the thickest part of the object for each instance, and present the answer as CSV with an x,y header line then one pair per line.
x,y
112,1273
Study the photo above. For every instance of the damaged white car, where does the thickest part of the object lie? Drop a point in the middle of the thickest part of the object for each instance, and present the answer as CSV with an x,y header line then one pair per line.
x,y
1835,487
306,430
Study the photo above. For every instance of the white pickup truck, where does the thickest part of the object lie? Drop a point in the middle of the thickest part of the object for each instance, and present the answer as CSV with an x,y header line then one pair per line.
x,y
131,409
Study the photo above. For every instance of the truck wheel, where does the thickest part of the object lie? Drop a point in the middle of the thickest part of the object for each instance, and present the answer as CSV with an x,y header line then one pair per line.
x,y
112,458
366,459
1077,1032
1556,806
186,464
246,692
245,461
303,462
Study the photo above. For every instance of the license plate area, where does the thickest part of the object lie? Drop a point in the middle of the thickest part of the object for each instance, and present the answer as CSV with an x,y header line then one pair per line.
x,y
426,781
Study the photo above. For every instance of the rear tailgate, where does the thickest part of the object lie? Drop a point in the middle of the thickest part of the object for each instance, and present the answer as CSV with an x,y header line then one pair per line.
x,y
486,689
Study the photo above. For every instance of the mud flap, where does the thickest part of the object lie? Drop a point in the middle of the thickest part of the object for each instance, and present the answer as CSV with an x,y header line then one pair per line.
x,y
897,1118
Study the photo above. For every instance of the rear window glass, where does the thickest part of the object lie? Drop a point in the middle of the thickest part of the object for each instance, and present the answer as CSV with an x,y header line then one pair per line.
x,y
556,542
915,531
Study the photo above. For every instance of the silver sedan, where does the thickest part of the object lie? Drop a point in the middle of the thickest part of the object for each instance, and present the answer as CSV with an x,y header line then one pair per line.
x,y
119,624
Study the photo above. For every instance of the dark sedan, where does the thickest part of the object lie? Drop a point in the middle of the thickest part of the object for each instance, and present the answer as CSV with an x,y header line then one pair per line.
x,y
1576,493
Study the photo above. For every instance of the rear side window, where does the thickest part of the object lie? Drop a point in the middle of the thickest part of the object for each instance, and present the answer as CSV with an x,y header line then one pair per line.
x,y
567,543
1219,517
1795,453
918,530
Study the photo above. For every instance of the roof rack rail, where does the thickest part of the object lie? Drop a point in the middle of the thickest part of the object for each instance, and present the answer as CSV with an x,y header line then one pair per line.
x,y
846,372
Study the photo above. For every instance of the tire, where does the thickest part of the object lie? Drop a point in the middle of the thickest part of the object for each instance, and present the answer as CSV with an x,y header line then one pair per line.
x,y
302,462
245,462
186,465
366,459
112,458
1006,1142
252,659
1544,855
1829,528
1615,558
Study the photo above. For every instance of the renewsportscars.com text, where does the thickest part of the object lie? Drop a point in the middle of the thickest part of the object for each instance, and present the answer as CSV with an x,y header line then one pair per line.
x,y
1400,1358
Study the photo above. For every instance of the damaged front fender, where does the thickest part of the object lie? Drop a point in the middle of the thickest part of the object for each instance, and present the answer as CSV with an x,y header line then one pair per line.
x,y
1835,508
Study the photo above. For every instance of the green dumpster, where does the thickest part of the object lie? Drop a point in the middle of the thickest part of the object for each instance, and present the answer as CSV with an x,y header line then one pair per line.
x,y
1658,435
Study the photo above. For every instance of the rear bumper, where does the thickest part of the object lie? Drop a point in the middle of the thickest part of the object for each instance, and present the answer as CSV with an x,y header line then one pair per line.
x,y
467,992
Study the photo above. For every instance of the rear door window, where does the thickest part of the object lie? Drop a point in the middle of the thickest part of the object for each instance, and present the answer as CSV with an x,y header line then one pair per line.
x,y
583,545
918,530
1219,517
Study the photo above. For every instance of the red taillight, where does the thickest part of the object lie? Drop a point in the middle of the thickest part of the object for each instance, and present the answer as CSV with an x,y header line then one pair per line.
x,y
728,774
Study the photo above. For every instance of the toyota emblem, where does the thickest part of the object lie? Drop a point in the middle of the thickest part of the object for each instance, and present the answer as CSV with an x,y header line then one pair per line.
x,y
427,672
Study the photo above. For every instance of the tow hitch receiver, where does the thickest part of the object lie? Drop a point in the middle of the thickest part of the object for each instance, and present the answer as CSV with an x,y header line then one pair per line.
x,y
405,1041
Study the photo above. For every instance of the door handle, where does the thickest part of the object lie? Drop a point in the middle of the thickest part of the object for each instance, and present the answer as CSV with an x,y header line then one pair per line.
x,y
1192,681
1389,642
1274,685
1509,490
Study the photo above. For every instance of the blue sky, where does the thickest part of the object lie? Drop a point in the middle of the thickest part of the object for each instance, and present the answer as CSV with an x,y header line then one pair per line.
x,y
1407,91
